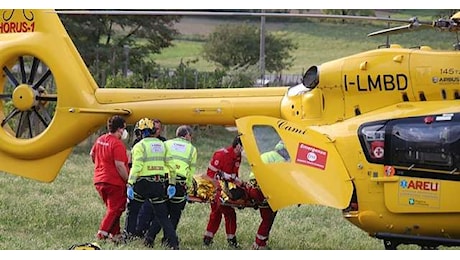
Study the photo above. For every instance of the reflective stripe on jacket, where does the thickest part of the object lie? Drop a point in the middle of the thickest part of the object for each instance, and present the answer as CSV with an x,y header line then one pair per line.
x,y
180,159
148,157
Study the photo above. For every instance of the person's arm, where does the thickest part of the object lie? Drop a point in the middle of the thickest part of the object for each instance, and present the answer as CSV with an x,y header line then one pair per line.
x,y
236,179
213,172
170,164
120,159
92,153
122,171
205,176
137,154
189,180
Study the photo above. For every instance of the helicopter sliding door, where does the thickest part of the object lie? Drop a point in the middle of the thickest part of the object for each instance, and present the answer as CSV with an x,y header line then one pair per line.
x,y
423,155
313,172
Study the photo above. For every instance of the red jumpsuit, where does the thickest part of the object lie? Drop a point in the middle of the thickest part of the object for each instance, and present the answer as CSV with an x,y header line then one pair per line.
x,y
255,194
227,161
110,185
267,215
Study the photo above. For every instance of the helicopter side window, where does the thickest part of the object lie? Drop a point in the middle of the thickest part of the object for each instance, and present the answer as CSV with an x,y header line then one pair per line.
x,y
372,138
417,144
423,146
268,140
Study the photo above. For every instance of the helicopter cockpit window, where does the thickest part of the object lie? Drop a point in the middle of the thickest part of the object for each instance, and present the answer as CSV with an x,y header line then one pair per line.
x,y
270,145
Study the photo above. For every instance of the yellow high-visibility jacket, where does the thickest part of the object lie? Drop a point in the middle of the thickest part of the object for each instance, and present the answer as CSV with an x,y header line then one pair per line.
x,y
148,157
181,156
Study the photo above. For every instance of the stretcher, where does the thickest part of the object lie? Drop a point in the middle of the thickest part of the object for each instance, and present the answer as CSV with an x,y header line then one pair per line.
x,y
226,202
204,192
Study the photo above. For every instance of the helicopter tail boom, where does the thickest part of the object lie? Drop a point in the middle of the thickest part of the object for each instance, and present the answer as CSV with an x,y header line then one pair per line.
x,y
49,101
197,106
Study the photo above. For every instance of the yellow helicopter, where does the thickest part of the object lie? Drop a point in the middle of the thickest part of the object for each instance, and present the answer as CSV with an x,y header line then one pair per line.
x,y
376,134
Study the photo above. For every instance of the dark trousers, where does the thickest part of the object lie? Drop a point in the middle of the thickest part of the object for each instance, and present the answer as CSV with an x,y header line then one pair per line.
x,y
144,218
160,210
131,217
143,190
153,191
175,207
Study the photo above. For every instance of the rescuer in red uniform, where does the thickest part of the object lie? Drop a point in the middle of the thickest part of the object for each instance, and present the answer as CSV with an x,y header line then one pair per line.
x,y
110,176
224,165
278,155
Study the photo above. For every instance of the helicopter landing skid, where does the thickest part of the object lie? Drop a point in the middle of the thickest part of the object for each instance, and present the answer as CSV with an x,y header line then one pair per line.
x,y
392,241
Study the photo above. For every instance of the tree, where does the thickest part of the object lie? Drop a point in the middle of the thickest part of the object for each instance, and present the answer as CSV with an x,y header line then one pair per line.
x,y
109,44
238,46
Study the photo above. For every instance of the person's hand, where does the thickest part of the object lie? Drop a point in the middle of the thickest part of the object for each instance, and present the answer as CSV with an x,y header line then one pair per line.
x,y
219,175
130,192
171,191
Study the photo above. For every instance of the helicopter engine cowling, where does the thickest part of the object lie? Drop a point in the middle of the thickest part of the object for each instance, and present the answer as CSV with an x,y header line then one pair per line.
x,y
365,82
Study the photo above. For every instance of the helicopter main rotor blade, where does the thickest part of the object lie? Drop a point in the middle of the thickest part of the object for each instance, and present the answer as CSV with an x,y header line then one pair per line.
x,y
209,13
394,30
413,22
400,29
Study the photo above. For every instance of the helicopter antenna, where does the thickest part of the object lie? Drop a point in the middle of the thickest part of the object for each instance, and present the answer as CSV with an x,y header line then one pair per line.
x,y
388,36
387,45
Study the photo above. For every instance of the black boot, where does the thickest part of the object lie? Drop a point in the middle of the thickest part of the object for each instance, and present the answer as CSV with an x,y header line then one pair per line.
x,y
164,241
207,241
233,243
148,242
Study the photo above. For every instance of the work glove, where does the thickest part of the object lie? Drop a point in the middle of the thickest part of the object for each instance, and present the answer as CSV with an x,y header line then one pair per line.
x,y
171,191
130,192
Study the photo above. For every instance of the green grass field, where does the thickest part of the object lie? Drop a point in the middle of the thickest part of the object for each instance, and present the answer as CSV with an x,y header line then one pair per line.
x,y
67,211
